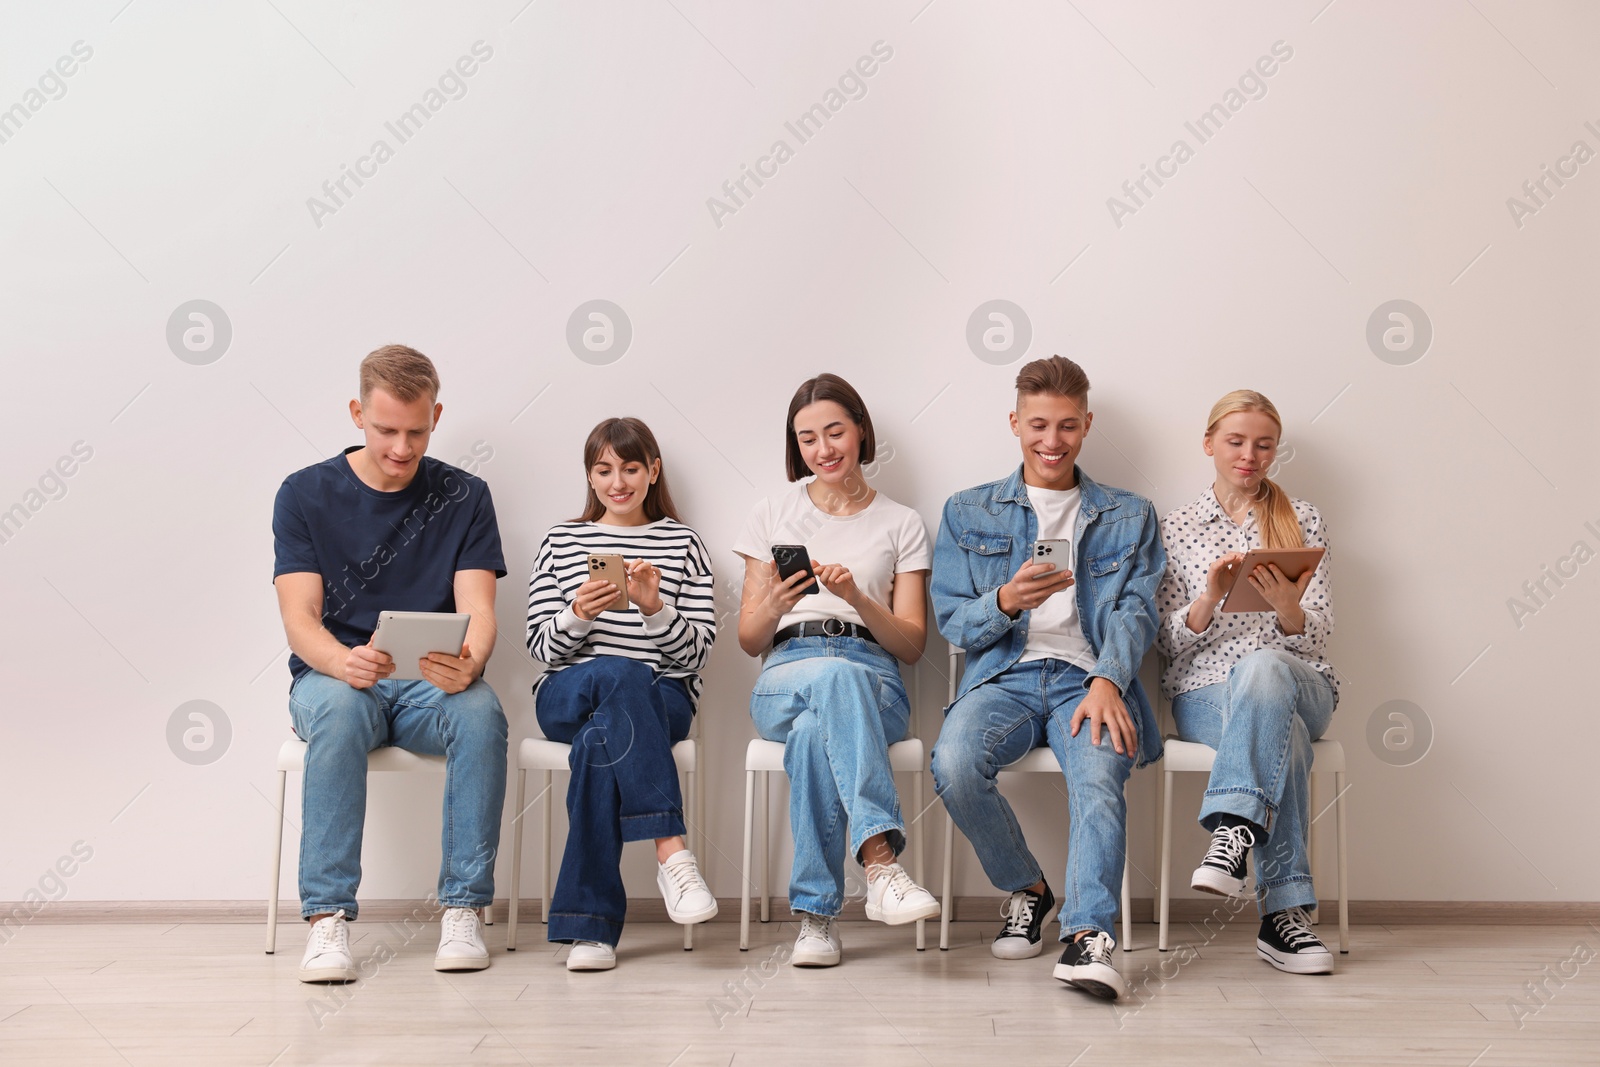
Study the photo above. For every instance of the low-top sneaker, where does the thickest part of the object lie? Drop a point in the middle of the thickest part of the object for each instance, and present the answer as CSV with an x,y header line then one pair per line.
x,y
1086,965
688,898
327,957
591,956
893,898
1223,870
1288,943
461,946
818,944
1025,913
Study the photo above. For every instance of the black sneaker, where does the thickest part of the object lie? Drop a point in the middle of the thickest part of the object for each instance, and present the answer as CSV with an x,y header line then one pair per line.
x,y
1025,914
1223,870
1287,942
1086,965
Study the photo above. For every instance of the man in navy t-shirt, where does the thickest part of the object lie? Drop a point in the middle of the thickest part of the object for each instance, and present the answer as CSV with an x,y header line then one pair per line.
x,y
382,527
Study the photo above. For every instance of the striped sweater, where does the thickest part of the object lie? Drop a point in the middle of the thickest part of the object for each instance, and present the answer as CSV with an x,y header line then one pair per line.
x,y
675,641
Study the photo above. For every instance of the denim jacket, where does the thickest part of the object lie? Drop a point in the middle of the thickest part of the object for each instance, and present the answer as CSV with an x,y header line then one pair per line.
x,y
987,533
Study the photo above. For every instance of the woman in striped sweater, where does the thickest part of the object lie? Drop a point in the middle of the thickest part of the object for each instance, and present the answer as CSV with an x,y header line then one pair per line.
x,y
620,686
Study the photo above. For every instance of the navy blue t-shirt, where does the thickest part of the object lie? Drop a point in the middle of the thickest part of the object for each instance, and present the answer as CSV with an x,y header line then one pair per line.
x,y
380,551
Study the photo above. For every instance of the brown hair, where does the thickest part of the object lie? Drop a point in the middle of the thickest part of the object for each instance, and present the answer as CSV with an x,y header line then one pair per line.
x,y
834,388
1057,375
403,372
1280,527
633,442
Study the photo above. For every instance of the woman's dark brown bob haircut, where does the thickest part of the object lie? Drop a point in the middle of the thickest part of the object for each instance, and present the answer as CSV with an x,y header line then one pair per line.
x,y
834,388
633,442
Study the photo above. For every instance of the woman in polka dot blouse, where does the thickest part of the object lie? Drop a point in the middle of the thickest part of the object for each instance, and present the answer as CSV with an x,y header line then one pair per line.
x,y
1255,686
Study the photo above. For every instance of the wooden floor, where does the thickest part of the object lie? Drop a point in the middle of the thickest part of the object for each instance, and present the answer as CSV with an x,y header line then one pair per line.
x,y
206,994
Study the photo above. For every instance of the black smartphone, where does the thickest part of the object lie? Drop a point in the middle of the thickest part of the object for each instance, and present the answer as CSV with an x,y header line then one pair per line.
x,y
791,560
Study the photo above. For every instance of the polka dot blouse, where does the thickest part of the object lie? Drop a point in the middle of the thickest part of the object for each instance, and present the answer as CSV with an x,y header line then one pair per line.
x,y
1197,534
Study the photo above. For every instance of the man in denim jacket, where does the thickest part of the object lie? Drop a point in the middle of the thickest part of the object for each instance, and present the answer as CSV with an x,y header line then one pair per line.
x,y
1052,658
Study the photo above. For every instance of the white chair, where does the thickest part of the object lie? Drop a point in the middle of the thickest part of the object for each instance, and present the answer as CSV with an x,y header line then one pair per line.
x,y
1039,759
538,754
764,757
292,757
1190,757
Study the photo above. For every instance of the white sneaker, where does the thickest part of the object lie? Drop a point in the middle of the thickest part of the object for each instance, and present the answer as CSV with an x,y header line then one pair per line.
x,y
818,944
461,946
591,956
688,898
327,957
893,898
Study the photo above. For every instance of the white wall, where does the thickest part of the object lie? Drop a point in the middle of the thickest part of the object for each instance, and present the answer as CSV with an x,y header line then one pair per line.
x,y
179,161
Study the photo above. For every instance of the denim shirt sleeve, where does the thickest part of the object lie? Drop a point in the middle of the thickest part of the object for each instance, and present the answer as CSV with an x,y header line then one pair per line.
x,y
1134,619
967,619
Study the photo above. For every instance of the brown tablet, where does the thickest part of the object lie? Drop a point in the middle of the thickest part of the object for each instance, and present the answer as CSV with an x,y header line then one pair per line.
x,y
1293,562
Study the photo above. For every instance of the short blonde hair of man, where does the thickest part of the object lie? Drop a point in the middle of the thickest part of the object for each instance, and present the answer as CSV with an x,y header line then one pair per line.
x,y
403,372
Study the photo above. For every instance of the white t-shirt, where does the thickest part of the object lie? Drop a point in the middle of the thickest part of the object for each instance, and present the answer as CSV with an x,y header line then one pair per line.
x,y
876,543
1054,630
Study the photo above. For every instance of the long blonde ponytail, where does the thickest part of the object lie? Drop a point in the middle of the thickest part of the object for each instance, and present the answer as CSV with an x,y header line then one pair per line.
x,y
1280,527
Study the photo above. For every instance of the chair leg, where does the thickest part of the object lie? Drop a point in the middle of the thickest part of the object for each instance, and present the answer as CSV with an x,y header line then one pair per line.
x,y
744,871
688,791
544,869
1166,858
1344,866
1127,901
1311,842
516,859
277,867
947,903
764,875
916,845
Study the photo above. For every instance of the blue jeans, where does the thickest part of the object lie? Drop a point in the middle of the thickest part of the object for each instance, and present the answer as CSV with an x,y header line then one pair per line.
x,y
621,722
341,725
1025,707
837,704
1262,721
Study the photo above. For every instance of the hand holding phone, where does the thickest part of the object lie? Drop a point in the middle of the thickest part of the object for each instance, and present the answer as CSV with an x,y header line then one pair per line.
x,y
792,560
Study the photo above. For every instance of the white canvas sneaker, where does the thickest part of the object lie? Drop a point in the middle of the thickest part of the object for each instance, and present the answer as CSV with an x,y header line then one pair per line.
x,y
461,946
327,957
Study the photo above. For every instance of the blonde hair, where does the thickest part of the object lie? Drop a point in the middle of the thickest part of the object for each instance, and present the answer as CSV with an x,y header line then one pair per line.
x,y
1280,527
402,372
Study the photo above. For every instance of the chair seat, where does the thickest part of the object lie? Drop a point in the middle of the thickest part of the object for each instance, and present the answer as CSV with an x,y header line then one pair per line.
x,y
1191,756
1038,759
540,754
764,755
292,757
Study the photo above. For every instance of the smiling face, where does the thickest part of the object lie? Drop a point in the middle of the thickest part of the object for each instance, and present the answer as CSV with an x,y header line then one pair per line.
x,y
1051,429
397,434
1243,445
622,485
830,441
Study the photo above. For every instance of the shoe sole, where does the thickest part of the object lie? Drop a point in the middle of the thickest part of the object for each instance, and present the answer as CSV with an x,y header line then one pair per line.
x,y
1211,880
1095,983
328,974
877,914
690,918
594,965
815,959
1296,962
1027,951
464,963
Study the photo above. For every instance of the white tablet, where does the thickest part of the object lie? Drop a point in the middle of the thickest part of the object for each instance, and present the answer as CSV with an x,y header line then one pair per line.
x,y
408,636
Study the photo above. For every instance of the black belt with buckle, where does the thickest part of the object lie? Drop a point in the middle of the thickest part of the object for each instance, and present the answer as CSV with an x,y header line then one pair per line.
x,y
823,628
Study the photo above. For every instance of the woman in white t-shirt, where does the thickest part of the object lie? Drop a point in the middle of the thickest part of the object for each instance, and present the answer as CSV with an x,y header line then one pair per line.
x,y
1255,686
830,689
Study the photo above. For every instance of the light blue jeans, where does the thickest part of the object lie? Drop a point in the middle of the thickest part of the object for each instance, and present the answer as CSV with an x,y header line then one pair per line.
x,y
1023,708
341,725
1262,721
836,703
